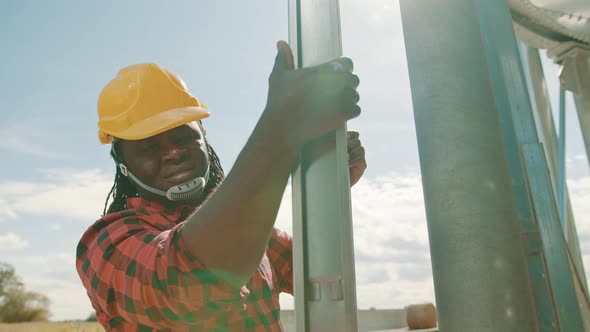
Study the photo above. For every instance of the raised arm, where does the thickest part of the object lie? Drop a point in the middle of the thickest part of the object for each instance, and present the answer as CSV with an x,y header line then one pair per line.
x,y
230,232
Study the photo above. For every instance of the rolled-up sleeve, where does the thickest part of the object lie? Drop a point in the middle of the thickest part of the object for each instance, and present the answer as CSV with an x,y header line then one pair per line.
x,y
280,254
147,276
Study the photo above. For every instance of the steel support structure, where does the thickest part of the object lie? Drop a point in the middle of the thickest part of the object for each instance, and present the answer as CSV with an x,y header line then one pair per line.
x,y
583,107
574,76
499,257
324,278
547,133
561,160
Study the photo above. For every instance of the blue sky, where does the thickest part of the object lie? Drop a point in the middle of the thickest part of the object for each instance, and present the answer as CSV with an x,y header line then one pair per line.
x,y
56,57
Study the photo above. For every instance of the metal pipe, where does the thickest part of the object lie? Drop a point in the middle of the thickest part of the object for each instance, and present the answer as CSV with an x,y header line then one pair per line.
x,y
583,108
325,287
541,105
547,133
477,255
561,161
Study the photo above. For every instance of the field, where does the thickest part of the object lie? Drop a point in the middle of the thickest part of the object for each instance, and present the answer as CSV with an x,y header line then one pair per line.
x,y
369,320
52,327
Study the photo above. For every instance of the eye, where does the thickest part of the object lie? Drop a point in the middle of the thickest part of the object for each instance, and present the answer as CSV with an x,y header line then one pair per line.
x,y
188,139
151,148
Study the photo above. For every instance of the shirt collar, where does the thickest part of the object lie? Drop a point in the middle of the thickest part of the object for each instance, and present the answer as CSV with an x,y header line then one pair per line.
x,y
175,214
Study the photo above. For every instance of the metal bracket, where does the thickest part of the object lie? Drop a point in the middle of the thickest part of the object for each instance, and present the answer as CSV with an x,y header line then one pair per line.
x,y
574,74
333,289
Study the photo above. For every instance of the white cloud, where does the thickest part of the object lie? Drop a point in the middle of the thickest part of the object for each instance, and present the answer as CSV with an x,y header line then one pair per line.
x,y
373,27
55,227
76,194
27,138
391,242
576,161
579,190
6,211
11,241
372,36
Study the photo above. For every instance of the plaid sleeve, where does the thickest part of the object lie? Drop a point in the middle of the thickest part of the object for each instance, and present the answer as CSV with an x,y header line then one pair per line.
x,y
139,274
280,254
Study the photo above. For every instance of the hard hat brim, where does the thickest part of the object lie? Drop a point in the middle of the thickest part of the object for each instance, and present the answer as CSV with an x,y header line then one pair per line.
x,y
157,124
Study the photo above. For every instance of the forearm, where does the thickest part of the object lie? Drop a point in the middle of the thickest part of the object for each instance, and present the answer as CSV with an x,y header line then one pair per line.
x,y
230,232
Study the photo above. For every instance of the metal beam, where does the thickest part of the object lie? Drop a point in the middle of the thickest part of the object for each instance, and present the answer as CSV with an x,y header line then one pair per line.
x,y
574,76
561,159
583,107
529,169
325,287
547,133
478,260
541,105
492,218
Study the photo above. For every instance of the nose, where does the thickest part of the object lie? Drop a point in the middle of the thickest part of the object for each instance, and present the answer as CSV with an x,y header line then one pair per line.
x,y
173,153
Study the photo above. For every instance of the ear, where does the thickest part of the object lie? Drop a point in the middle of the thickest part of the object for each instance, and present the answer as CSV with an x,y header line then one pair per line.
x,y
117,151
203,131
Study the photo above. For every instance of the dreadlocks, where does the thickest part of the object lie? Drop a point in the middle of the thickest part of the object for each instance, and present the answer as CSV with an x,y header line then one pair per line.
x,y
123,188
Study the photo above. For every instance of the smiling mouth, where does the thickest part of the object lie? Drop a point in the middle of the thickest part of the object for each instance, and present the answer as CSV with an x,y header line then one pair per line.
x,y
181,176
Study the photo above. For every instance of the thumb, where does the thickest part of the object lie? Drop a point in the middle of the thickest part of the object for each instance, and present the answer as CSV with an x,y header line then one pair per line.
x,y
284,58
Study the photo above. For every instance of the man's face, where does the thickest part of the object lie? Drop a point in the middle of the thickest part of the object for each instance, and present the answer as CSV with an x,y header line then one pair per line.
x,y
167,159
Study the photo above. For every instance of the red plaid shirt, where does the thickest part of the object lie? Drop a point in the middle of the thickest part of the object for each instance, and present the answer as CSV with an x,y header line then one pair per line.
x,y
140,277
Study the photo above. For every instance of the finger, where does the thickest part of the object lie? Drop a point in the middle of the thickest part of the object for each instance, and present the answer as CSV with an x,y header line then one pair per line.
x,y
349,97
284,58
343,79
354,96
340,65
356,149
331,118
353,143
331,88
345,64
354,81
357,163
357,155
289,52
352,134
352,111
280,61
359,152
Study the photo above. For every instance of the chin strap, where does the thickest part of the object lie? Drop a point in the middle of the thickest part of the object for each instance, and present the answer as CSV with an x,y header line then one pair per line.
x,y
187,190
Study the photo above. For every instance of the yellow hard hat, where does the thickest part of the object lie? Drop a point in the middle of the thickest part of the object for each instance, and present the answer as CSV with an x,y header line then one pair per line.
x,y
144,100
